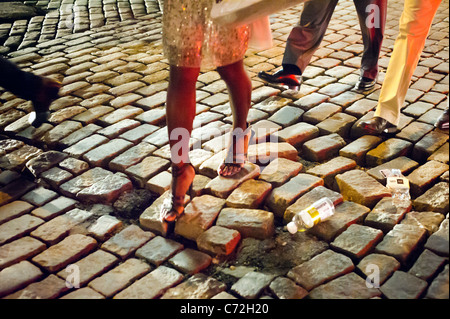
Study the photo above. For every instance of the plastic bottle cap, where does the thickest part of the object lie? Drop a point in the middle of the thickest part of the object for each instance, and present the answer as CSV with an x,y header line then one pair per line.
x,y
292,228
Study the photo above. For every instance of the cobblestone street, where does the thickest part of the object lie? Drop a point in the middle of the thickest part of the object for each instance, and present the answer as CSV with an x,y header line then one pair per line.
x,y
80,196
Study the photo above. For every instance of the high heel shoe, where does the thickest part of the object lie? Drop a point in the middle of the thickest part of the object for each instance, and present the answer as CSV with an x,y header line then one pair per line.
x,y
182,180
237,152
46,94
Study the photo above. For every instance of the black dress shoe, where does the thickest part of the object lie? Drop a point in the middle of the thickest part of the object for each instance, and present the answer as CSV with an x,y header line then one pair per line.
x,y
284,78
442,122
46,94
377,125
365,84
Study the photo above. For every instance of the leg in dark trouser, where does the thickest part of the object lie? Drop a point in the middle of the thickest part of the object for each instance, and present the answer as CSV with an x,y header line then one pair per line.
x,y
372,20
39,90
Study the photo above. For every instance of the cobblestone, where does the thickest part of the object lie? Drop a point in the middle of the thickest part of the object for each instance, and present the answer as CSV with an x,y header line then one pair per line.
x,y
86,189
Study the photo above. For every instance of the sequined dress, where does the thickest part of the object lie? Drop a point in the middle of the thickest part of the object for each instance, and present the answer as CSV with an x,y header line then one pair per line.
x,y
191,39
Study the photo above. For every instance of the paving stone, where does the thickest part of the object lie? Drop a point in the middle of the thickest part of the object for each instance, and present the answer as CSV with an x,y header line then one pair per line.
x,y
223,186
252,284
401,242
285,195
125,112
323,148
250,194
60,131
403,286
199,286
152,285
120,277
218,240
65,252
101,155
338,289
339,123
284,288
92,114
358,149
90,266
387,265
87,179
414,131
57,228
19,250
127,241
403,163
309,101
199,215
438,242
118,128
321,112
287,116
83,293
427,266
44,161
190,261
18,227
280,171
385,215
320,269
435,199
147,168
161,183
298,134
17,159
249,222
85,145
74,166
309,198
14,209
359,187
346,214
39,196
441,155
150,219
158,250
424,176
429,221
48,288
264,153
439,287
18,276
272,104
328,170
79,135
56,176
54,208
357,241
428,145
104,227
387,151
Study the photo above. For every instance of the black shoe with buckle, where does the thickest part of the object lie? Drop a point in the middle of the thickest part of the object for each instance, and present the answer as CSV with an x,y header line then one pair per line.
x,y
365,84
284,78
377,125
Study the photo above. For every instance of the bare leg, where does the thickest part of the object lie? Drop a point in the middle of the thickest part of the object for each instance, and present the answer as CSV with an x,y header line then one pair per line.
x,y
180,113
180,110
240,89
